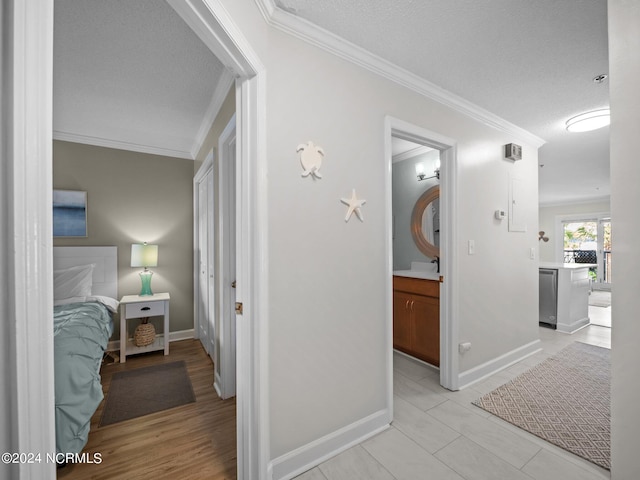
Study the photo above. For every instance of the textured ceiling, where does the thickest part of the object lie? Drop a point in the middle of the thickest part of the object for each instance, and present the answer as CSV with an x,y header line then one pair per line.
x,y
130,72
529,62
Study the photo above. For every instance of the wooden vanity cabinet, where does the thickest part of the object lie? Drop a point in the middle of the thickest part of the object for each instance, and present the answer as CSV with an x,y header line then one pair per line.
x,y
416,318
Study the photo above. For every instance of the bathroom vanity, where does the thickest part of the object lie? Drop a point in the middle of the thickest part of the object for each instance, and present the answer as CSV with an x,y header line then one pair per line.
x,y
416,315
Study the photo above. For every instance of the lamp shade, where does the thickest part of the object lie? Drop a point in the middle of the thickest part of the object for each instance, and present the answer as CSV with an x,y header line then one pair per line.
x,y
144,255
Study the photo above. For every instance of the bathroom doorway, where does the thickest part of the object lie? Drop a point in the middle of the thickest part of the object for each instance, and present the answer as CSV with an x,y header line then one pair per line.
x,y
432,158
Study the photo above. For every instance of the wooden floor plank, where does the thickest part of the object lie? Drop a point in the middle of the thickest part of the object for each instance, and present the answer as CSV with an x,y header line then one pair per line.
x,y
191,442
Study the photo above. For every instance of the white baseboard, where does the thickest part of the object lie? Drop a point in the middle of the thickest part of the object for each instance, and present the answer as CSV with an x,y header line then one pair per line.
x,y
308,456
173,337
572,327
476,374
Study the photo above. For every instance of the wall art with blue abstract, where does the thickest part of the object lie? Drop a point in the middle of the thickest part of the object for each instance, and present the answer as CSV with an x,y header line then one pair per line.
x,y
69,213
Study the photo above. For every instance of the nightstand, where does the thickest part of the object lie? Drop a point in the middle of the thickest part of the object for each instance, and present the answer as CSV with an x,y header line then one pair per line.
x,y
136,306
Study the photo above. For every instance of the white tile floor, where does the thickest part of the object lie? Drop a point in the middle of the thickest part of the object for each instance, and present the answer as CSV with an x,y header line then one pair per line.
x,y
437,434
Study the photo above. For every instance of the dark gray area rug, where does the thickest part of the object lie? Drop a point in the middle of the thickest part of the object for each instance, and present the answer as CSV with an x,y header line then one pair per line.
x,y
564,400
134,393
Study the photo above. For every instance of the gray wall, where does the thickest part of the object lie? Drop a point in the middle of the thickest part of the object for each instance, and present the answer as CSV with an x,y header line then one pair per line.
x,y
406,191
131,198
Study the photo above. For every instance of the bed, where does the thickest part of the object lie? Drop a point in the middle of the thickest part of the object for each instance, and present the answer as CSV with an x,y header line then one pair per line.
x,y
85,291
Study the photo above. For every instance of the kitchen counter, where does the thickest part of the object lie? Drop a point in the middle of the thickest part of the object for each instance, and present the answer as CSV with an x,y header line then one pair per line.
x,y
572,295
566,266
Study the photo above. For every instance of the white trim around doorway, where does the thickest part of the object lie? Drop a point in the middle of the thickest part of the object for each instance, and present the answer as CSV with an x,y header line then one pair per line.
x,y
26,250
213,25
27,129
449,368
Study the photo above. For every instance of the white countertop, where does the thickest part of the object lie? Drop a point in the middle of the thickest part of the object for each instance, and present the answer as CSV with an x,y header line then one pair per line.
x,y
568,266
417,274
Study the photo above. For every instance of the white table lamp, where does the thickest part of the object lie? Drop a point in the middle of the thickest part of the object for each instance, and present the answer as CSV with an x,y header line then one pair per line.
x,y
144,255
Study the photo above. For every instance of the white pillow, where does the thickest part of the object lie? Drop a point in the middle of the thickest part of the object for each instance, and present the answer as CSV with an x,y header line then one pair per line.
x,y
73,282
111,303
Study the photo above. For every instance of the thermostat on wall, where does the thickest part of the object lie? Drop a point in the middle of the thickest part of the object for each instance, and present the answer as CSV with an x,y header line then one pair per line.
x,y
500,214
513,151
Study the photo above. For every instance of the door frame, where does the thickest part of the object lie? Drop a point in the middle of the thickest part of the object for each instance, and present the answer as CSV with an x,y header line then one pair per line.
x,y
27,86
225,382
26,250
449,326
213,25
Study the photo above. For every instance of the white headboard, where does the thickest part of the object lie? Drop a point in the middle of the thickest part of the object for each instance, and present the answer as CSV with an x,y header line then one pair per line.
x,y
105,273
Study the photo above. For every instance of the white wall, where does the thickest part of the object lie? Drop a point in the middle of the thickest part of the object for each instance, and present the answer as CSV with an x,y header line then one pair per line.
x,y
327,278
624,74
548,223
406,192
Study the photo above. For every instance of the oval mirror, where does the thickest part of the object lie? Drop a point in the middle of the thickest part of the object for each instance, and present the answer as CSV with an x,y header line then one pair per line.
x,y
425,222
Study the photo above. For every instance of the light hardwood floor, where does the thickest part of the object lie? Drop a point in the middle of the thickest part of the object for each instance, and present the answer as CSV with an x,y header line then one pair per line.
x,y
190,442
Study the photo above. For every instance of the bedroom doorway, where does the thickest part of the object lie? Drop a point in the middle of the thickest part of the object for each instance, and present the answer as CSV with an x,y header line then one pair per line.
x,y
29,40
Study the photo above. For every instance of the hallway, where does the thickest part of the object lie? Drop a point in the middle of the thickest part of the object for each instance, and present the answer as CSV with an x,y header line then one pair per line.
x,y
440,432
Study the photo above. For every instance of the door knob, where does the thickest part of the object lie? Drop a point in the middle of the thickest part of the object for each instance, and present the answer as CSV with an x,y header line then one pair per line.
x,y
233,284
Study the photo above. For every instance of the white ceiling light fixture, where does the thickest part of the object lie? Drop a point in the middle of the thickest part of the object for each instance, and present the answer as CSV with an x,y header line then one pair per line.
x,y
589,121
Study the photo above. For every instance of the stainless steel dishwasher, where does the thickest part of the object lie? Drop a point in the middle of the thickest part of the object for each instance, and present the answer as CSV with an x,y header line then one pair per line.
x,y
548,298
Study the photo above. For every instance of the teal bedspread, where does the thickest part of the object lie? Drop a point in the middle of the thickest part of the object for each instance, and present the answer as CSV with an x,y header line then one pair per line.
x,y
81,332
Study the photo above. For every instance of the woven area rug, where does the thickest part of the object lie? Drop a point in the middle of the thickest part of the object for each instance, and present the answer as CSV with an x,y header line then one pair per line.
x,y
134,393
564,400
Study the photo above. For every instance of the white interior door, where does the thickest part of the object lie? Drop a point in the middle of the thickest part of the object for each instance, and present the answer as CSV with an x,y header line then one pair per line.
x,y
203,262
226,360
208,246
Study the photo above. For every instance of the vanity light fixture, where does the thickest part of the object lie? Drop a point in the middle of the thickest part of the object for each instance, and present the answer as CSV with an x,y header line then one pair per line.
x,y
586,122
423,176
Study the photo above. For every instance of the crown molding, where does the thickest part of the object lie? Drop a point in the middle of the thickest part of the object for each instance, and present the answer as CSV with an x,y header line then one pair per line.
x,y
110,143
219,95
311,33
570,202
414,152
